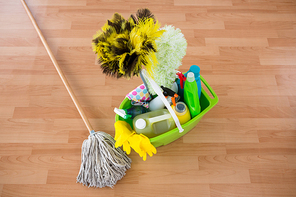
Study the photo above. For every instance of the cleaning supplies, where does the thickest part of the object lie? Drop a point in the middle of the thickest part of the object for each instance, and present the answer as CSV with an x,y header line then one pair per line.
x,y
131,112
101,164
171,48
139,96
182,112
127,138
180,82
191,95
156,104
124,46
158,91
175,87
122,133
170,95
154,123
142,145
182,78
196,70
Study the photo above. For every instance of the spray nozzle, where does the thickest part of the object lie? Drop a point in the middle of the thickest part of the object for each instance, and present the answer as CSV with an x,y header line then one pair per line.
x,y
122,113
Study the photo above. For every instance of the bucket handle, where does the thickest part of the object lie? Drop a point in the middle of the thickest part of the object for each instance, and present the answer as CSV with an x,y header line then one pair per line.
x,y
215,99
158,91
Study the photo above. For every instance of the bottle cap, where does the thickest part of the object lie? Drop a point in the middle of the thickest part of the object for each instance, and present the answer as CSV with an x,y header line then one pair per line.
x,y
140,123
180,107
195,69
190,77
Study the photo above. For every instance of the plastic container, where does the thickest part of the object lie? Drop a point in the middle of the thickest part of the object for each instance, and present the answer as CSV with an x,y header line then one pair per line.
x,y
196,70
154,123
190,95
131,112
206,103
156,104
182,112
175,87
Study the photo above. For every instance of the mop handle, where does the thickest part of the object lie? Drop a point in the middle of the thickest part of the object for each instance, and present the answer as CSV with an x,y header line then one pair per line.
x,y
56,65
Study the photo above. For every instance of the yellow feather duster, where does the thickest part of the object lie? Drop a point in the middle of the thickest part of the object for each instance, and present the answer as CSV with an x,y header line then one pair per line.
x,y
124,46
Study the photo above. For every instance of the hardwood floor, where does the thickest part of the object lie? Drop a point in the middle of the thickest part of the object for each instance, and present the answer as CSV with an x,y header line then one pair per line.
x,y
244,146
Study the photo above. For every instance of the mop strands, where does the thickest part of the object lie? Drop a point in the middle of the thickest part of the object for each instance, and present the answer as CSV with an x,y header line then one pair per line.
x,y
102,164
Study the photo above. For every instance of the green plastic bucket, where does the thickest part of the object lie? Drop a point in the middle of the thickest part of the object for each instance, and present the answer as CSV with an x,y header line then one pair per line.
x,y
206,103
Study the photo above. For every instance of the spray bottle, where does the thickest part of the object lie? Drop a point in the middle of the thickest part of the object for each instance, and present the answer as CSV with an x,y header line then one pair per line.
x,y
131,112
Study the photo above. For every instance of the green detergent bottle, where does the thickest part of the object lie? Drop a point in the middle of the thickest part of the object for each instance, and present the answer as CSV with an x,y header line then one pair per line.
x,y
191,95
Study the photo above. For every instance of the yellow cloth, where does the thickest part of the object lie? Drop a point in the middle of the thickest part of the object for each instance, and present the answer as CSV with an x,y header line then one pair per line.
x,y
126,137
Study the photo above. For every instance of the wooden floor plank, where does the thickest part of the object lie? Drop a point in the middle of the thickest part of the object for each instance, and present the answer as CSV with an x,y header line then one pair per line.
x,y
245,161
252,190
8,149
237,41
281,176
162,189
23,176
197,177
58,190
45,162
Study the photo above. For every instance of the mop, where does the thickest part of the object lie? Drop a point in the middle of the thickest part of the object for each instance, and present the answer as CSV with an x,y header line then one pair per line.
x,y
101,163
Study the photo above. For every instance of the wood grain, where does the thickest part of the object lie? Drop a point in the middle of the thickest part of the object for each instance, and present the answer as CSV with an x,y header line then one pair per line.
x,y
252,189
244,146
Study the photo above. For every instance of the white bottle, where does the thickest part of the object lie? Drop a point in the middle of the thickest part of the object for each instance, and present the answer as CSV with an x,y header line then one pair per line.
x,y
154,123
156,104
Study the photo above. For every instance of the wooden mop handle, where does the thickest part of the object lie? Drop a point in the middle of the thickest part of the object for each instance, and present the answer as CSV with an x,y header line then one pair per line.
x,y
56,65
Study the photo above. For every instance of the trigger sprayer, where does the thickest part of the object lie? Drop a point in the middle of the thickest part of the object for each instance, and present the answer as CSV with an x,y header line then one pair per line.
x,y
131,112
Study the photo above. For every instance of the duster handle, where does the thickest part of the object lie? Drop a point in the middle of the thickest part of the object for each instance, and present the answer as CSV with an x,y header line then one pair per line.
x,y
56,65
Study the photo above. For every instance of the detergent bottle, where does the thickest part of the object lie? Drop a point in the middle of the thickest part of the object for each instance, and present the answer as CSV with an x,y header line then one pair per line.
x,y
196,70
153,123
182,112
191,95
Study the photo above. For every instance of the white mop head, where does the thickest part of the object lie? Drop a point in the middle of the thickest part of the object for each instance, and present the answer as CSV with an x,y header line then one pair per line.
x,y
101,163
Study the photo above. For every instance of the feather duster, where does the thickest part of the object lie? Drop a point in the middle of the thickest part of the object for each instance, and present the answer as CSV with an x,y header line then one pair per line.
x,y
123,46
142,14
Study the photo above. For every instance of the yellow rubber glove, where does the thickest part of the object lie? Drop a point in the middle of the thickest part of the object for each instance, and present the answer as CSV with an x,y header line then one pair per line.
x,y
141,144
122,132
147,146
135,143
